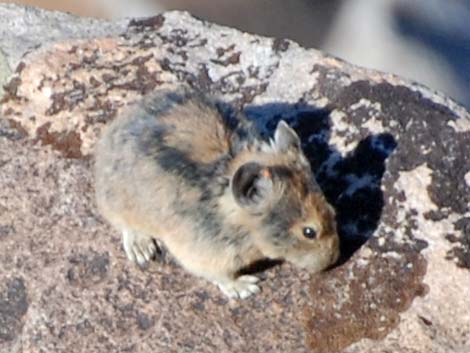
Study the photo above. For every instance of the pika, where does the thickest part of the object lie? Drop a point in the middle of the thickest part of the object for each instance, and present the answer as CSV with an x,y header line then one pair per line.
x,y
218,197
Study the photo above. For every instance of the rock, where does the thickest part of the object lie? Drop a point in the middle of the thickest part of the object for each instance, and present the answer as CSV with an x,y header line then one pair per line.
x,y
13,306
390,155
23,29
4,72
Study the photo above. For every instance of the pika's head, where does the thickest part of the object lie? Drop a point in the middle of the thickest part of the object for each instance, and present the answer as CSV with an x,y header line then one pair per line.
x,y
289,215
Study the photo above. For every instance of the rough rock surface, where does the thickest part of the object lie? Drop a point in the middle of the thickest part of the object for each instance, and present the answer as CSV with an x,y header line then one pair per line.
x,y
5,71
24,28
391,156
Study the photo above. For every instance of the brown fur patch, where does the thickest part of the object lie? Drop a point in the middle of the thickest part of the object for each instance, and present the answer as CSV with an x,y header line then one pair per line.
x,y
317,214
197,131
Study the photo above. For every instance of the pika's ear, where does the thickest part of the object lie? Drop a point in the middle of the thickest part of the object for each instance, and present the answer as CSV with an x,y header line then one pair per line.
x,y
286,138
252,185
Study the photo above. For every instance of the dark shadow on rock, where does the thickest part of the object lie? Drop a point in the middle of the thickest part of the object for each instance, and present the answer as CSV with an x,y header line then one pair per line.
x,y
351,183
259,266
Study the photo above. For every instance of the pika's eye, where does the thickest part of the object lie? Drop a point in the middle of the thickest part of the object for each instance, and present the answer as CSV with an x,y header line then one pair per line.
x,y
309,233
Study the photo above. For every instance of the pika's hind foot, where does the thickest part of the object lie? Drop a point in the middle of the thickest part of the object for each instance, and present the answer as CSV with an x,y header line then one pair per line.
x,y
240,288
139,248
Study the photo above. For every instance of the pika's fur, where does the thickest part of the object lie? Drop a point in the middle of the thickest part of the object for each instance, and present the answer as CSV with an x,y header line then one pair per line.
x,y
218,197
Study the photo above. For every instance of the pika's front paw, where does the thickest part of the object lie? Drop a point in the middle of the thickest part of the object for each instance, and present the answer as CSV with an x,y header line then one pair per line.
x,y
241,288
139,248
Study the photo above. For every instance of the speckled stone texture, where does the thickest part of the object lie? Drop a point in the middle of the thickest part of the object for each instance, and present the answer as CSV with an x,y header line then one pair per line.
x,y
390,155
